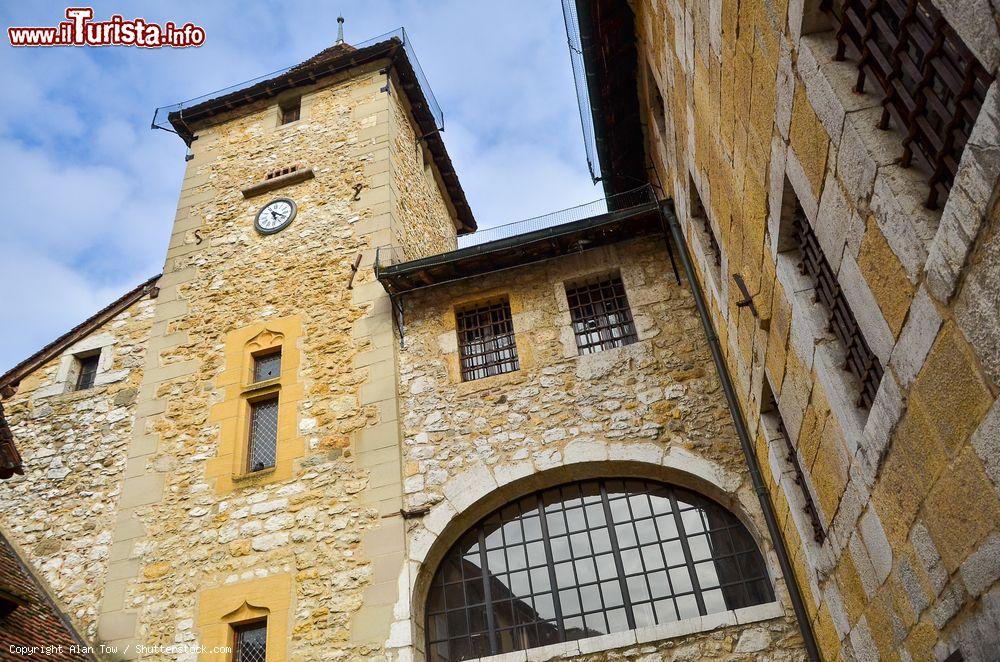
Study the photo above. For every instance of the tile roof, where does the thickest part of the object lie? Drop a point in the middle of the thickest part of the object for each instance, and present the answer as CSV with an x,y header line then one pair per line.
x,y
35,620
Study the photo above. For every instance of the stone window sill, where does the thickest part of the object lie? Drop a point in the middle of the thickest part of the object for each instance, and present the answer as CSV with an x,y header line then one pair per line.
x,y
252,476
278,182
821,353
867,157
492,382
607,642
259,387
73,394
713,274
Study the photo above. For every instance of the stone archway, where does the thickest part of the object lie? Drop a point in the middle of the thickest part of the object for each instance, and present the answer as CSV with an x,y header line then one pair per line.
x,y
480,489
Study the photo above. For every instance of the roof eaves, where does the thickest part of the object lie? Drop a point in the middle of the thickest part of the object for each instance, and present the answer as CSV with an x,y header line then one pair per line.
x,y
85,648
514,251
317,67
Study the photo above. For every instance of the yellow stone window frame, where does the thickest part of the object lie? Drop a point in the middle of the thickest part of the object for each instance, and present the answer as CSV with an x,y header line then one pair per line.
x,y
452,357
221,609
229,468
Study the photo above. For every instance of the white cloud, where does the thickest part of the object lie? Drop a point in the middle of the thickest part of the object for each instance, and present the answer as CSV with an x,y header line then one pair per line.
x,y
43,299
94,190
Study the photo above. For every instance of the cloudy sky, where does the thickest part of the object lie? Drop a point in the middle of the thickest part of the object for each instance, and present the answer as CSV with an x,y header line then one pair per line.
x,y
89,191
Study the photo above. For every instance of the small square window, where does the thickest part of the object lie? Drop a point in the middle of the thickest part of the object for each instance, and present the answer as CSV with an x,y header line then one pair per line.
x,y
486,343
88,371
263,434
601,315
250,642
267,366
291,111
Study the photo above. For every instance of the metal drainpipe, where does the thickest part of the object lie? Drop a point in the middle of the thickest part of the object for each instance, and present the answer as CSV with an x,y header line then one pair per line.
x,y
668,215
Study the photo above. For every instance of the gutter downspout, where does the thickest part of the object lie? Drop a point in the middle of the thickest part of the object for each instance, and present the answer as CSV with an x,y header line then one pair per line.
x,y
808,638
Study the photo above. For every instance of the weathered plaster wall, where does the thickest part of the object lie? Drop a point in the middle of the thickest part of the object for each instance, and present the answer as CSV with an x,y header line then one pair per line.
x,y
74,446
471,446
756,109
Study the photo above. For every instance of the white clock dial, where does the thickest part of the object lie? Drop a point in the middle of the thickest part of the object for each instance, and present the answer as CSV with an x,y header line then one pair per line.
x,y
275,216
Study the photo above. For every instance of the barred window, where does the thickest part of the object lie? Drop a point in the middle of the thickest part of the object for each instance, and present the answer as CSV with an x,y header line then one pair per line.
x,y
267,366
587,559
250,642
291,111
769,413
263,434
931,85
88,372
860,361
486,340
601,316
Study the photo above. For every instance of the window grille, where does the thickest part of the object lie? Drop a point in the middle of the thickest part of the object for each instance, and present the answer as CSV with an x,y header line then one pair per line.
x,y
250,642
290,113
861,361
601,315
486,341
587,559
88,372
287,170
263,434
931,85
768,407
267,366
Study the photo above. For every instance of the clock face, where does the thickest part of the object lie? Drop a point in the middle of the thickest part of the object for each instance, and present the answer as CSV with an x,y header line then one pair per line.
x,y
275,216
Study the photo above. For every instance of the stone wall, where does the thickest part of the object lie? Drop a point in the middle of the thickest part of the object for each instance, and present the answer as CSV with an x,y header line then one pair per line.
x,y
424,221
757,113
191,537
74,446
471,446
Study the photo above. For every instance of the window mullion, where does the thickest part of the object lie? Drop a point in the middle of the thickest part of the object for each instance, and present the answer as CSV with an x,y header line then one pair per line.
x,y
616,552
688,559
551,566
487,597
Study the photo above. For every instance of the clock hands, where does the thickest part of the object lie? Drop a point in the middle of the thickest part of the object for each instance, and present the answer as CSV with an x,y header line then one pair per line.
x,y
275,215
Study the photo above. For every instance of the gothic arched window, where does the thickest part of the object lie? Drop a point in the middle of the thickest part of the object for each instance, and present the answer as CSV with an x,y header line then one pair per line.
x,y
586,559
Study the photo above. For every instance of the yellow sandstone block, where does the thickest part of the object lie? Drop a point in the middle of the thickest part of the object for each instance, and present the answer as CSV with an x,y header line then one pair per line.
x,y
885,276
961,509
949,391
809,140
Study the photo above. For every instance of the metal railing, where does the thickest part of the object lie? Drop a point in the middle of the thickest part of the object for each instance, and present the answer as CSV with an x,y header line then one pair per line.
x,y
161,116
640,199
635,198
860,360
572,21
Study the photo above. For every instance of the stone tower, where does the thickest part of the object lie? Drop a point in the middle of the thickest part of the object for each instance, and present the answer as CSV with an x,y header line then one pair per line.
x,y
348,142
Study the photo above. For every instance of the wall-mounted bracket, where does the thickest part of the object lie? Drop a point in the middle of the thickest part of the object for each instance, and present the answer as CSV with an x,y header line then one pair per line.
x,y
747,297
396,301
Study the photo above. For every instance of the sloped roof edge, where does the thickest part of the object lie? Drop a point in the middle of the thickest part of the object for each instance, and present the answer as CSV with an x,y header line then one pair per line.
x,y
332,61
38,600
13,376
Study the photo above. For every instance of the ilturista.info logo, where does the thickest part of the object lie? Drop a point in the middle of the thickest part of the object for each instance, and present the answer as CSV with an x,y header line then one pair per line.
x,y
81,30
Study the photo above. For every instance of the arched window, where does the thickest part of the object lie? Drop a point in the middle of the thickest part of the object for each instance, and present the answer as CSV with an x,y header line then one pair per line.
x,y
586,559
